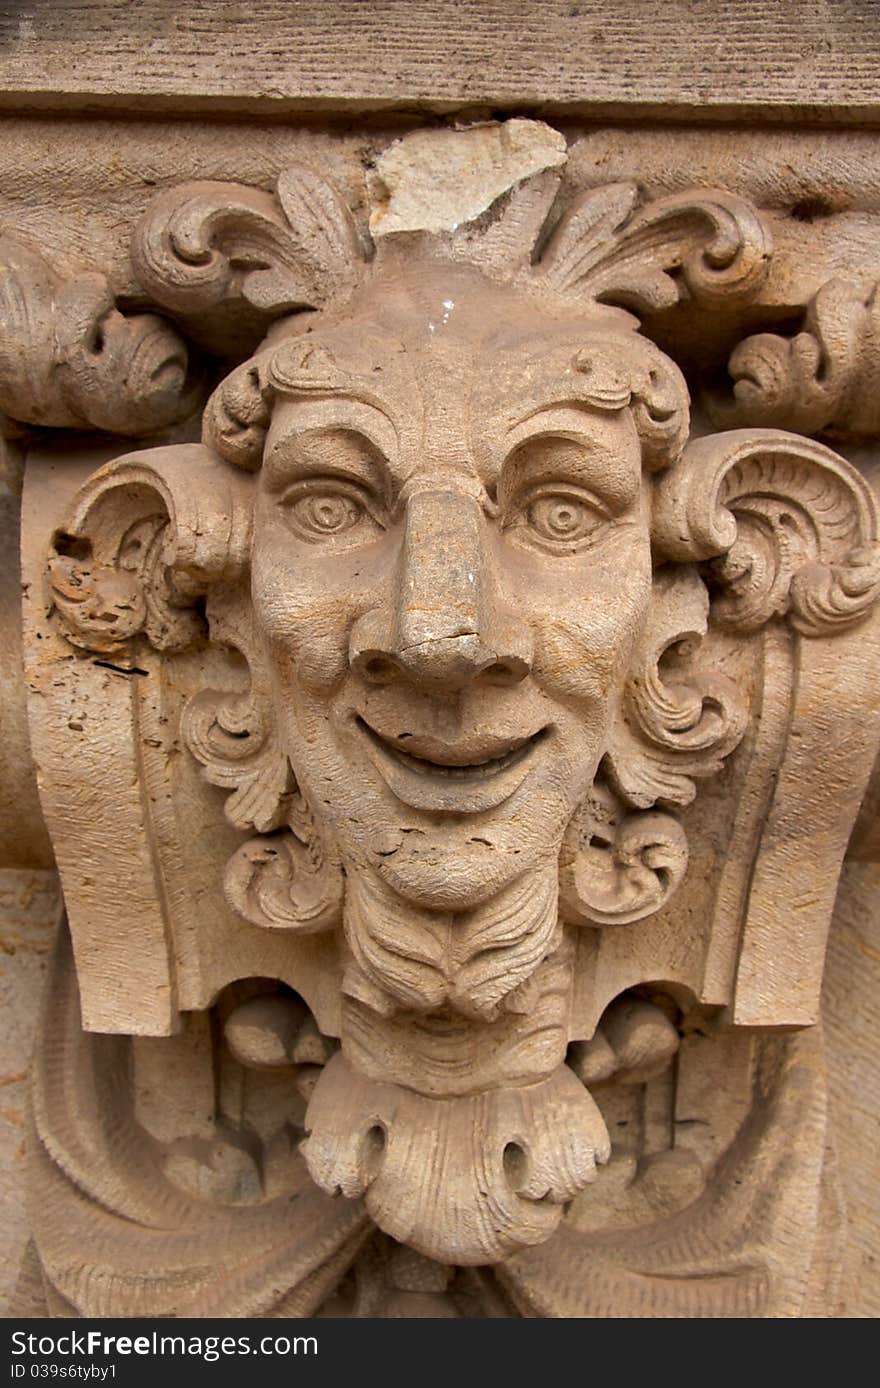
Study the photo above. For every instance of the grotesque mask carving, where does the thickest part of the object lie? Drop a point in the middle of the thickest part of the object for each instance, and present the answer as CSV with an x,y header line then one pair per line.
x,y
478,591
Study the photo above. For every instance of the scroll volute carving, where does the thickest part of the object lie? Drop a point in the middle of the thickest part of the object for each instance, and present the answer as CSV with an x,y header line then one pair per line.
x,y
616,868
703,245
146,537
786,532
823,379
791,527
228,259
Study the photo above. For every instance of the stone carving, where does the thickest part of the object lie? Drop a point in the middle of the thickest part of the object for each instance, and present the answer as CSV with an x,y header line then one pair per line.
x,y
412,671
68,357
822,380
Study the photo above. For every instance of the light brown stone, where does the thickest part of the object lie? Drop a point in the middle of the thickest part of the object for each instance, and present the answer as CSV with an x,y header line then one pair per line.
x,y
473,723
714,59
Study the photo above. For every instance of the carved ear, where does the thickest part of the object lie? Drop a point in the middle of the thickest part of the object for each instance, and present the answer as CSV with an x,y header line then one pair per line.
x,y
703,245
615,867
146,536
793,528
230,259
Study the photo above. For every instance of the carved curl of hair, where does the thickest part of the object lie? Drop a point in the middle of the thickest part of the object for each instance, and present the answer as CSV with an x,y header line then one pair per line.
x,y
237,415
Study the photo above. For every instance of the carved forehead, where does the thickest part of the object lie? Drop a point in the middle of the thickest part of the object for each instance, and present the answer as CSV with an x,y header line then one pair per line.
x,y
429,341
432,309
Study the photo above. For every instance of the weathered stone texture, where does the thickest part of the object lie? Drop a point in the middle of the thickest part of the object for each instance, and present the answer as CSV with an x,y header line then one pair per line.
x,y
768,59
29,912
450,580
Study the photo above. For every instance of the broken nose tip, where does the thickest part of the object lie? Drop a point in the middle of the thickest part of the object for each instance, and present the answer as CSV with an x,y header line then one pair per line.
x,y
441,660
454,659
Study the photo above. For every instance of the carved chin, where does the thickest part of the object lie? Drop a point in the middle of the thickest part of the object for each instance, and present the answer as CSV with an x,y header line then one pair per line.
x,y
466,1181
468,961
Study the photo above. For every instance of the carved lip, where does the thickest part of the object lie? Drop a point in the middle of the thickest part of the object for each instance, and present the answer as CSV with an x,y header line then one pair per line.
x,y
446,781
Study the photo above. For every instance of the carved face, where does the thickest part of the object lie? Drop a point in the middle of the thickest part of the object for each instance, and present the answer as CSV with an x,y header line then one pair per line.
x,y
451,564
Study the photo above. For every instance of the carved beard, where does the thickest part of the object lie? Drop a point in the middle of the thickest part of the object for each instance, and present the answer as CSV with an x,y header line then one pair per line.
x,y
403,955
466,1139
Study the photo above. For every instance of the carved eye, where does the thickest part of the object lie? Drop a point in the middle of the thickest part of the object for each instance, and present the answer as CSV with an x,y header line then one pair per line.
x,y
561,517
327,513
328,510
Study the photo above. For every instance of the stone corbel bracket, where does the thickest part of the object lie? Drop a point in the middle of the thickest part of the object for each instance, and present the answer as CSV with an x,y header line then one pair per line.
x,y
137,548
147,575
142,545
787,532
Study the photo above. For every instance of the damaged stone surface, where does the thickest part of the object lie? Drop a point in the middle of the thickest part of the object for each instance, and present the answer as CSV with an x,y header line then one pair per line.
x,y
436,180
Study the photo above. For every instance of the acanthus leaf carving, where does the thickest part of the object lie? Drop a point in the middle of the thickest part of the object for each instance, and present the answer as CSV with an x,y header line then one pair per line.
x,y
705,245
231,730
70,359
228,732
228,258
537,1146
824,379
676,723
792,528
617,867
285,882
146,537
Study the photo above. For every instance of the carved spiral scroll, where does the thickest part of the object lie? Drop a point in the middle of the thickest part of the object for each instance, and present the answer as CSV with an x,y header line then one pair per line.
x,y
231,730
230,735
70,359
145,537
283,882
616,868
676,722
824,378
792,526
704,245
231,258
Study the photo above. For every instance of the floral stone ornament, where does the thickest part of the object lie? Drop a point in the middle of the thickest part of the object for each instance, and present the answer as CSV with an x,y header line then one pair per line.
x,y
449,762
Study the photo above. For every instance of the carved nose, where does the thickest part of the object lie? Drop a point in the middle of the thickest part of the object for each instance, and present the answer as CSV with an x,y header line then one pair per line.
x,y
444,626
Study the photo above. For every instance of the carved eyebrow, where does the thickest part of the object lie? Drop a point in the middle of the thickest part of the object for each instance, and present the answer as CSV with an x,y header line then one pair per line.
x,y
362,439
579,398
612,471
574,393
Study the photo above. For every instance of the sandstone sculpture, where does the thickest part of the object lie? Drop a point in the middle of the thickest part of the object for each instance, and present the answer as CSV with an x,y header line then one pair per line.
x,y
449,759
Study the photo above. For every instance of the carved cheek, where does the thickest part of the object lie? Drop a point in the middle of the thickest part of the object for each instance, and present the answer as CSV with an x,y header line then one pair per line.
x,y
305,625
306,603
584,637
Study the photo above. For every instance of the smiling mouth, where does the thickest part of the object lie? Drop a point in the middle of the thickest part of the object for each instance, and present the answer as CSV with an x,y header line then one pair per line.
x,y
455,770
452,783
